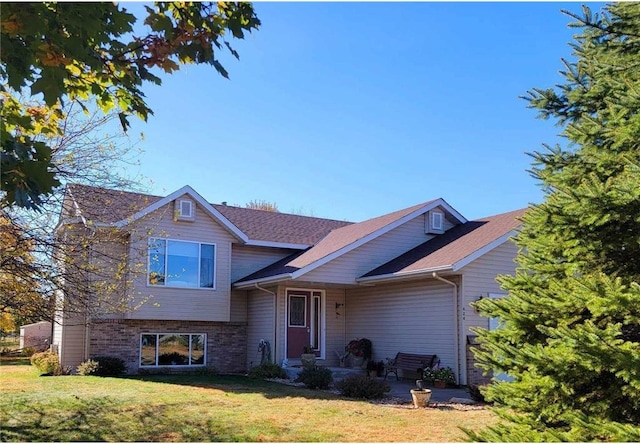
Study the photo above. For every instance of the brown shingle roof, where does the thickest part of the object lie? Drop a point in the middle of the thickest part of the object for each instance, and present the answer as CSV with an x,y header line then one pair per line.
x,y
110,206
279,227
332,243
453,246
105,205
350,234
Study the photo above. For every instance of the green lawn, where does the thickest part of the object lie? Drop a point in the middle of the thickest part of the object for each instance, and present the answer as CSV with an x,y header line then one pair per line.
x,y
205,408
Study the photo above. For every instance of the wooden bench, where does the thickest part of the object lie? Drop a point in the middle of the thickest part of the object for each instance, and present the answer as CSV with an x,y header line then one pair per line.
x,y
409,361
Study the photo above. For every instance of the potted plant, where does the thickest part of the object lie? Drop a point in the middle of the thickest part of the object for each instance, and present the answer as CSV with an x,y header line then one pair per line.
x,y
439,377
443,376
359,351
308,357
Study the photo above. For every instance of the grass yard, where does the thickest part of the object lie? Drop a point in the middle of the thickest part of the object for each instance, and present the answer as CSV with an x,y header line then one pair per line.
x,y
206,408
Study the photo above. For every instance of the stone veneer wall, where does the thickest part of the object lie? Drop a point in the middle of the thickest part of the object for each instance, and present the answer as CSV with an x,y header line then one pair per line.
x,y
474,373
226,342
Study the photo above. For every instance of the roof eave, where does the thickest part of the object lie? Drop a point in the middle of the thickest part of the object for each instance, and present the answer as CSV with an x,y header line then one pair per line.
x,y
265,280
402,274
272,244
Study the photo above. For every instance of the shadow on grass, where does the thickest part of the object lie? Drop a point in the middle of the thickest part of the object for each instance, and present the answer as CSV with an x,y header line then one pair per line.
x,y
27,422
106,419
14,360
238,384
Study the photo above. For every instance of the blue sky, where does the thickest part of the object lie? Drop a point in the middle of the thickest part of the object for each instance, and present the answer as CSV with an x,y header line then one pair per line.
x,y
352,110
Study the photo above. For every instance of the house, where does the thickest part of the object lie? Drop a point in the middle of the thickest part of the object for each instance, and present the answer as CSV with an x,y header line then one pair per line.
x,y
37,335
206,283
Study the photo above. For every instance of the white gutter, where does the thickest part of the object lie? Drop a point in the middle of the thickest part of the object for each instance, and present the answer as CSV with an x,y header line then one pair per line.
x,y
262,243
455,320
403,274
254,282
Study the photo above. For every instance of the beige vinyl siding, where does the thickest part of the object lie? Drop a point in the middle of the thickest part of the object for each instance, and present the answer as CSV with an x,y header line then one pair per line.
x,y
72,344
348,267
415,317
188,304
260,324
238,306
335,326
108,276
249,259
480,280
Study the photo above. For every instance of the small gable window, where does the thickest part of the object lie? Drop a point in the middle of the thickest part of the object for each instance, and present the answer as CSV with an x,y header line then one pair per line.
x,y
185,210
434,222
174,263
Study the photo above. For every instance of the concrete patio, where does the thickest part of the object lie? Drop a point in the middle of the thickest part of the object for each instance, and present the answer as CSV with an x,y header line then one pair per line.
x,y
399,389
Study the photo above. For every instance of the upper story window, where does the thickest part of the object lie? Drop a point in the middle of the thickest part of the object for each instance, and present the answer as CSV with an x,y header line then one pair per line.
x,y
174,263
184,210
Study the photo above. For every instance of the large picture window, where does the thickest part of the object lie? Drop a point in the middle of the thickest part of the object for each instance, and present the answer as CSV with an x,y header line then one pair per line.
x,y
167,349
175,263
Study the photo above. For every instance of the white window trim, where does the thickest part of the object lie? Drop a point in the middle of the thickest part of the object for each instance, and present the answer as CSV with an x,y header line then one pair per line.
x,y
204,360
182,215
166,258
437,216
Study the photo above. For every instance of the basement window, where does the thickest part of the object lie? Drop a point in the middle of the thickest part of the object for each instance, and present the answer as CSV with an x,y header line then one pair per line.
x,y
173,349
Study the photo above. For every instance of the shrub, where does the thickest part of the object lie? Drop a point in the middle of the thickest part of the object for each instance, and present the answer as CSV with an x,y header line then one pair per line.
x,y
62,371
28,351
362,387
87,368
109,366
268,370
315,377
46,362
476,393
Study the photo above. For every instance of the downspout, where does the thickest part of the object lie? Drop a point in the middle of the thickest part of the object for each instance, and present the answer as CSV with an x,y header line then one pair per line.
x,y
275,319
455,319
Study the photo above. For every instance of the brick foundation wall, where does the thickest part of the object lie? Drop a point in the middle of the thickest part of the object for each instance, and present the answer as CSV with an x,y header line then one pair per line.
x,y
474,373
226,342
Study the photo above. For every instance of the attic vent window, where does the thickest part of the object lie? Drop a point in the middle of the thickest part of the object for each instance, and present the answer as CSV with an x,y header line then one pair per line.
x,y
184,210
435,222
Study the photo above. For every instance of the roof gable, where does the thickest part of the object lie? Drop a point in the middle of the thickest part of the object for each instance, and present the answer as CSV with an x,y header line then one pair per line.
x,y
342,240
453,249
188,191
345,239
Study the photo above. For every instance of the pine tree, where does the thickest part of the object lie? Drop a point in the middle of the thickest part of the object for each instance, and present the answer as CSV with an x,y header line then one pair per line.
x,y
570,332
